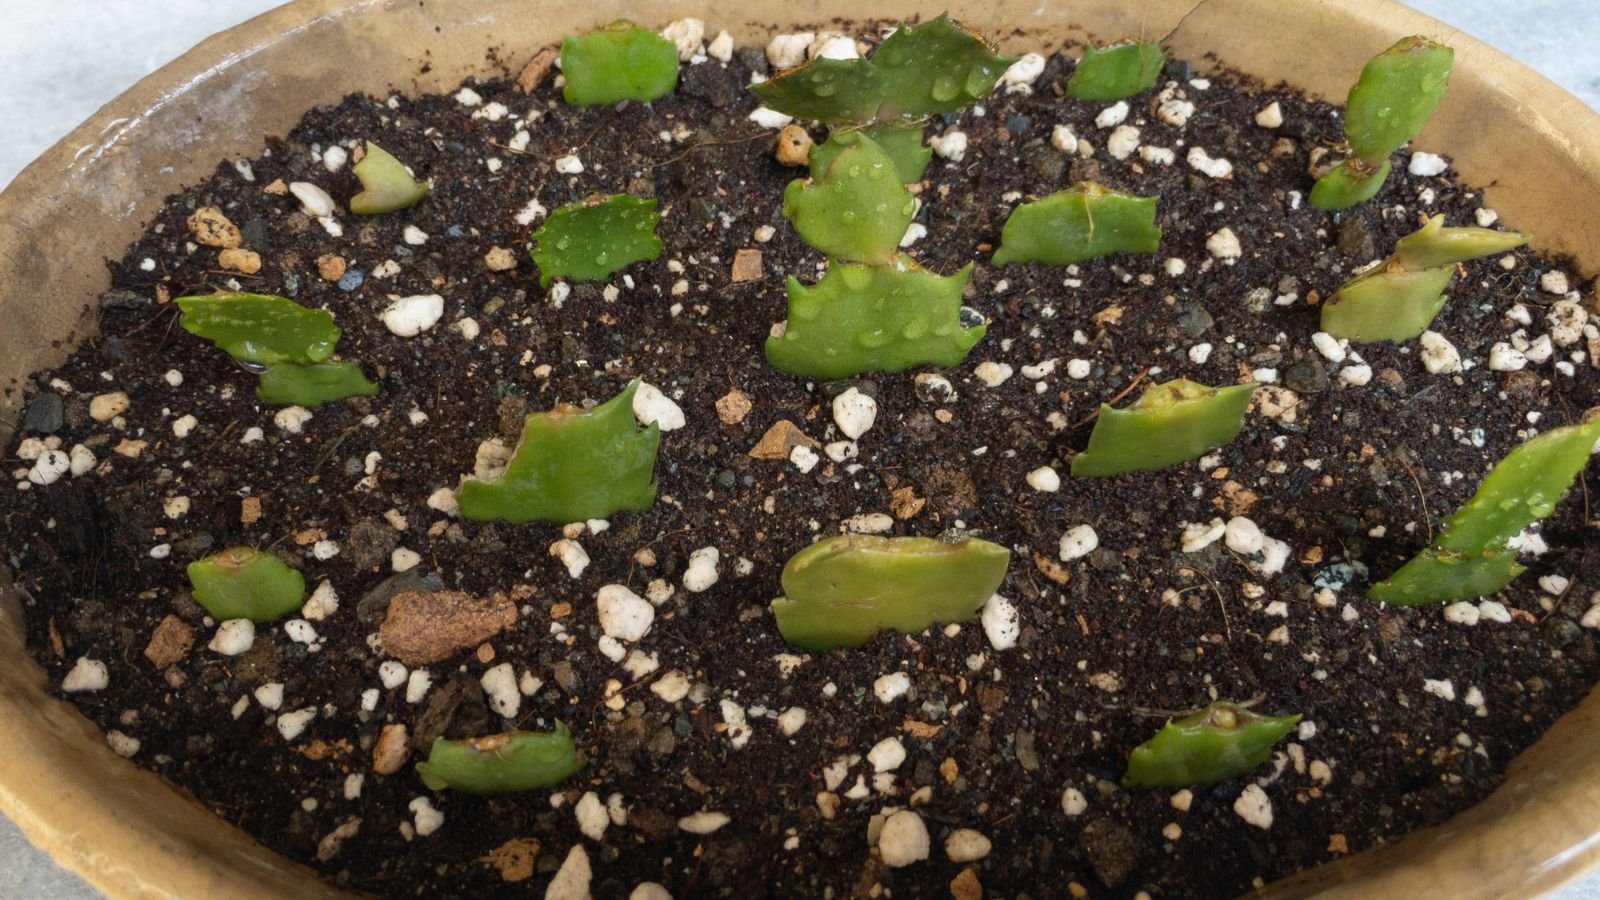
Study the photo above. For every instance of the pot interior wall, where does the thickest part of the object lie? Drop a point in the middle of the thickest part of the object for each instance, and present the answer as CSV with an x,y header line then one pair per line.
x,y
132,835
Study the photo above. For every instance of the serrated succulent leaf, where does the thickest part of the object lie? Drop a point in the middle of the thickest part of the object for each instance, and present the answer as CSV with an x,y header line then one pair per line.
x,y
862,318
1222,741
501,763
1171,422
1116,71
386,184
858,208
841,591
618,62
245,583
828,90
572,465
313,385
1521,489
1397,92
901,140
1438,576
1351,183
1436,245
1386,304
1080,223
935,68
260,328
594,238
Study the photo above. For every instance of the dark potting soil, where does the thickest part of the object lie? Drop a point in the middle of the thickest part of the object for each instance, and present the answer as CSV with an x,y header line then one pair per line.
x,y
1409,717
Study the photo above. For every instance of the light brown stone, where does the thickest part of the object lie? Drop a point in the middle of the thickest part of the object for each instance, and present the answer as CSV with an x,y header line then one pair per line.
x,y
277,188
733,406
247,262
905,503
794,146
499,259
330,267
515,858
423,628
780,440
250,510
966,886
211,228
746,266
169,643
536,69
390,752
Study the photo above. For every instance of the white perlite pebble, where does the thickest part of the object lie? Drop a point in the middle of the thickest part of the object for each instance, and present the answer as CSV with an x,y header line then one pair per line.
x,y
671,687
1113,115
1175,112
334,158
1461,613
1356,375
392,673
86,675
687,35
1439,687
233,637
417,685
804,458
769,118
1199,353
49,467
1567,320
411,316
903,840
965,845
1331,348
318,203
1427,165
833,46
1224,245
702,571
1494,611
404,559
300,631
1201,161
83,460
1244,536
591,814
1001,623
175,507
1062,138
424,818
322,603
1079,541
569,165
121,744
721,47
1254,806
1439,356
704,822
738,728
1023,73
854,413
791,721
1199,535
270,695
1045,479
1123,142
869,523
1079,369
184,426
624,615
1270,116
891,687
572,555
293,724
887,755
991,373
500,685
105,407
1073,803
414,236
572,879
1554,282
444,500
951,145
787,50
1505,358
652,406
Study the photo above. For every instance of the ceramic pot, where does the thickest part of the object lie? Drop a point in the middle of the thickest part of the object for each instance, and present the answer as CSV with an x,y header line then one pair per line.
x,y
133,835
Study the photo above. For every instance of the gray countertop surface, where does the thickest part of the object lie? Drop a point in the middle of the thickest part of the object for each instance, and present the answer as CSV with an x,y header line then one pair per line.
x,y
62,60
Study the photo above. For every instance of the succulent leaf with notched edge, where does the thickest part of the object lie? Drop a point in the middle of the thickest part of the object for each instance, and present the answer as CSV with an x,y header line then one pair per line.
x,y
857,208
245,583
386,184
841,591
1116,71
836,91
1222,741
260,328
1172,422
1438,576
935,68
901,140
1080,223
572,465
862,318
618,62
501,763
596,237
313,385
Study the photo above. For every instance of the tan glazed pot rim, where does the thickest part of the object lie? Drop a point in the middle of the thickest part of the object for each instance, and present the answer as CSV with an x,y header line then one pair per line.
x,y
133,835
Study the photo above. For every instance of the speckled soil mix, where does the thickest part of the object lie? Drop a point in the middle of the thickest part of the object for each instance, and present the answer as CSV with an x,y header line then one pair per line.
x,y
1345,466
